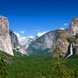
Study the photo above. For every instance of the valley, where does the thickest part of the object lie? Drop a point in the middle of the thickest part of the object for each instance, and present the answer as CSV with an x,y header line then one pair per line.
x,y
38,38
45,66
51,54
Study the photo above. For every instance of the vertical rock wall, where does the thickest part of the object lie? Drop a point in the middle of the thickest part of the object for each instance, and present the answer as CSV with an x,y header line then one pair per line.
x,y
5,41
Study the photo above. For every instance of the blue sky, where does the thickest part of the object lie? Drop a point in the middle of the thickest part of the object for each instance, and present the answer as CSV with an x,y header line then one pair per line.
x,y
29,17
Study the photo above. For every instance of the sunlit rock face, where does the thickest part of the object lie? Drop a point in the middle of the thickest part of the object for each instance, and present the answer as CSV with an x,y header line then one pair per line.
x,y
73,29
42,43
62,42
5,41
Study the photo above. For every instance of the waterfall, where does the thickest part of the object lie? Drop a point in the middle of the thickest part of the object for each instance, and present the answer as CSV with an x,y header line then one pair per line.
x,y
71,51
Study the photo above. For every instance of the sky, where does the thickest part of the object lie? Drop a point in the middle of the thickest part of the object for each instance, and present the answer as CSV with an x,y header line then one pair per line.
x,y
30,17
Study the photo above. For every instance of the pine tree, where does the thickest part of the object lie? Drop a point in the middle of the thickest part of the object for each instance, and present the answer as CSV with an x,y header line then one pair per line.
x,y
3,71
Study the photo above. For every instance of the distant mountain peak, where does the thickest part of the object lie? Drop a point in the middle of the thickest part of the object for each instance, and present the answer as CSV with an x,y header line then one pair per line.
x,y
73,29
75,20
62,28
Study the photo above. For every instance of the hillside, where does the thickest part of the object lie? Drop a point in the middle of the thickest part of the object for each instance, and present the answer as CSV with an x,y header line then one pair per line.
x,y
42,43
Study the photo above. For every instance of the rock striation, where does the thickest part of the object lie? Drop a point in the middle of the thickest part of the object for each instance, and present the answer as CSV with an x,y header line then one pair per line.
x,y
42,43
14,39
15,43
5,41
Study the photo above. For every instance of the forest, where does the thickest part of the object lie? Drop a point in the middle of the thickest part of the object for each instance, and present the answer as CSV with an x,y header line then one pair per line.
x,y
44,66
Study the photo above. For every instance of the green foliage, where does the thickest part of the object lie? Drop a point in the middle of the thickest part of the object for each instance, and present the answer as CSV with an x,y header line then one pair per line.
x,y
40,52
56,49
76,36
3,70
70,39
40,40
43,67
17,49
17,53
58,32
38,66
62,71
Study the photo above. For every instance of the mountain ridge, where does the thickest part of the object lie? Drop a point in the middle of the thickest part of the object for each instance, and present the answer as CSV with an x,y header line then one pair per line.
x,y
41,42
59,38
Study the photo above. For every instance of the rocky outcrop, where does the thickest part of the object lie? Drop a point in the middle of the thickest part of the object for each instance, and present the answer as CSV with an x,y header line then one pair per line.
x,y
61,40
73,29
5,41
14,39
15,43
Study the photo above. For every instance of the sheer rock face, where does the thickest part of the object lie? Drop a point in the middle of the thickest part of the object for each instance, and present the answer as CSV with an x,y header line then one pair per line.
x,y
14,39
5,41
45,42
70,32
73,29
15,43
62,42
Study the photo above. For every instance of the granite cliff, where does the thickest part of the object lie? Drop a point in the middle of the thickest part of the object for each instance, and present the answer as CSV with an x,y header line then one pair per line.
x,y
5,41
73,29
15,43
8,39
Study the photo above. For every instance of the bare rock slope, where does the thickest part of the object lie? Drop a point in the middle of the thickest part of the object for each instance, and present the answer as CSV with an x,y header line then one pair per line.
x,y
5,41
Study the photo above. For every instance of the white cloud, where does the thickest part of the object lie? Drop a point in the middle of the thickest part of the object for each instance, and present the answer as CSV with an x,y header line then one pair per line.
x,y
31,36
22,32
42,33
62,28
65,24
25,41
